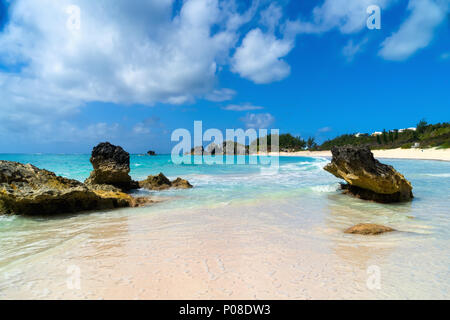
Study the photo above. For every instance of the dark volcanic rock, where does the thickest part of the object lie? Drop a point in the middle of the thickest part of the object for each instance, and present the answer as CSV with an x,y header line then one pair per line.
x,y
105,153
28,190
111,166
367,178
151,153
368,229
161,182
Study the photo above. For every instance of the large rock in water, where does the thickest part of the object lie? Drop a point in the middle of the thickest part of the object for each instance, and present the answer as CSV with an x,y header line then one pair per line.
x,y
28,190
367,178
111,166
161,182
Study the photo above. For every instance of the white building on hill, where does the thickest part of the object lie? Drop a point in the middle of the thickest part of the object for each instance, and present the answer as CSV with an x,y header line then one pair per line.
x,y
411,129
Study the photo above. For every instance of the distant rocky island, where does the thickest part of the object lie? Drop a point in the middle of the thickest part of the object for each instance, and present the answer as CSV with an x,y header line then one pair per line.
x,y
226,148
28,190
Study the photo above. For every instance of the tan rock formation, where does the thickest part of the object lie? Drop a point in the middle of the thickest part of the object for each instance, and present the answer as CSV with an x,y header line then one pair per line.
x,y
367,178
368,229
161,182
28,190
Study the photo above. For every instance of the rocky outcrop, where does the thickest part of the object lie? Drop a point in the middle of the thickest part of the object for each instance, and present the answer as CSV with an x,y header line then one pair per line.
x,y
109,191
367,178
161,182
157,182
151,153
111,166
197,151
368,229
179,183
227,148
28,190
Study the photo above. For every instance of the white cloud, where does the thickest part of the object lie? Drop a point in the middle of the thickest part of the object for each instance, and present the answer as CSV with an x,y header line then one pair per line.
x,y
271,16
258,121
147,125
349,16
92,133
140,128
325,129
146,52
220,95
259,58
351,49
124,53
417,31
445,56
37,131
242,107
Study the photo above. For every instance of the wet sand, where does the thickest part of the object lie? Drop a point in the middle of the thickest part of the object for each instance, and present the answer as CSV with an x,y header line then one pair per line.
x,y
172,257
242,252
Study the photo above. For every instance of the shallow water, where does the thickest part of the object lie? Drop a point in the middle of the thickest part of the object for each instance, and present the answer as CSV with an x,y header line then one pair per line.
x,y
242,232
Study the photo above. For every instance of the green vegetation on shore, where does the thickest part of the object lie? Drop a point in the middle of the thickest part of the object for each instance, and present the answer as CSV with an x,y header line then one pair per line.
x,y
287,143
424,136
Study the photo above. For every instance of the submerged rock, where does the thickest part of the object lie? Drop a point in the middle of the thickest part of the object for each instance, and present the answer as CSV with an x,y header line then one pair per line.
x,y
28,190
368,229
111,166
368,178
161,182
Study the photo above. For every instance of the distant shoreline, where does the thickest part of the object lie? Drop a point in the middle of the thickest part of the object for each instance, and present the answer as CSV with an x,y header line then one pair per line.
x,y
408,154
411,154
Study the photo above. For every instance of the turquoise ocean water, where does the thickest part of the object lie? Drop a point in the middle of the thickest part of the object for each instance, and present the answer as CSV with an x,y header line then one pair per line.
x,y
243,231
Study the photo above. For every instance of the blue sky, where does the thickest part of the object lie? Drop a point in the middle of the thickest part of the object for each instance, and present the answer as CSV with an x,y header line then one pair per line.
x,y
132,72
